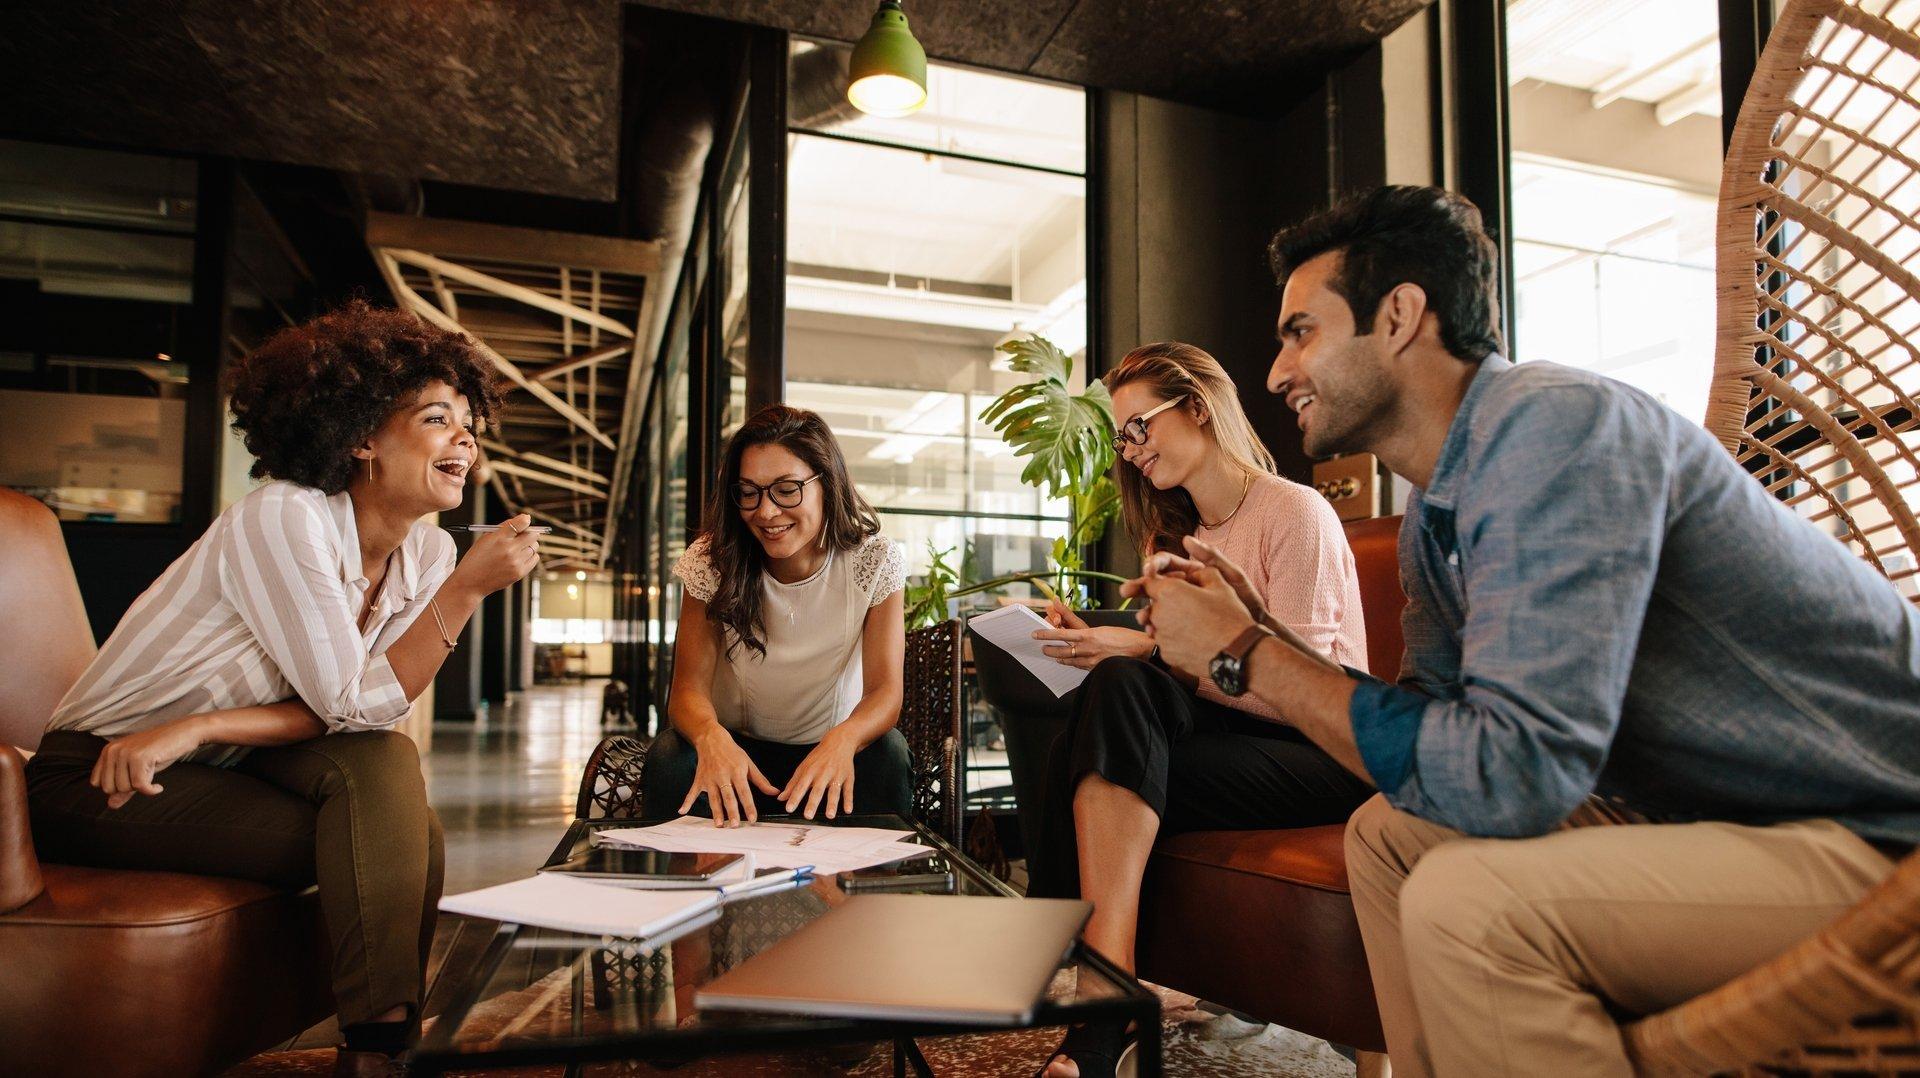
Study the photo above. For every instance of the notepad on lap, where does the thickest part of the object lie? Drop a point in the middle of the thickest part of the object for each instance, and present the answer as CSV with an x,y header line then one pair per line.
x,y
937,958
596,909
1011,629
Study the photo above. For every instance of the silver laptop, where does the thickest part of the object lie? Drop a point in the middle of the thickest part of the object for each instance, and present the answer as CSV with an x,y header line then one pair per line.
x,y
935,958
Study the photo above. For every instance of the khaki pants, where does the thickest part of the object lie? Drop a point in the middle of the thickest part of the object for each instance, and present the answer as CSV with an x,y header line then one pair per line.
x,y
1517,956
346,811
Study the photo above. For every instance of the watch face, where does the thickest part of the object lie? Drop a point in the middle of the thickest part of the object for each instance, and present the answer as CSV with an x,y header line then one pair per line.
x,y
1226,674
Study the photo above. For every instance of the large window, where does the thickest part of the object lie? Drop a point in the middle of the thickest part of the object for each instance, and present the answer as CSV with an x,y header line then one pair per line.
x,y
1615,127
96,281
915,246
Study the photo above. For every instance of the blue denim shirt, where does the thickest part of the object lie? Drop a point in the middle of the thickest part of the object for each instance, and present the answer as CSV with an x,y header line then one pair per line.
x,y
1599,599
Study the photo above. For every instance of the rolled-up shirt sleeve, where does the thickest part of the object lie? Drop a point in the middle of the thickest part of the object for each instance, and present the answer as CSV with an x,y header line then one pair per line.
x,y
280,571
1559,532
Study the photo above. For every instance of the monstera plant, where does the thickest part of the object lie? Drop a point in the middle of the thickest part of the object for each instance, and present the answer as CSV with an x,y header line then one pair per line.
x,y
1066,439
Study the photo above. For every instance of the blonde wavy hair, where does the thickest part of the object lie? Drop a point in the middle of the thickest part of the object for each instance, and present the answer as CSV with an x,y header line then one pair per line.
x,y
1159,519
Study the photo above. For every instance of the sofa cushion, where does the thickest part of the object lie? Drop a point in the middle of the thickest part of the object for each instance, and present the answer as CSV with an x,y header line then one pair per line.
x,y
1306,856
199,971
1260,921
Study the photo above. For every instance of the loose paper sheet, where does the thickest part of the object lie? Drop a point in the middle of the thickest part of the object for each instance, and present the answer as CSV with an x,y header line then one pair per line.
x,y
775,845
1011,629
551,901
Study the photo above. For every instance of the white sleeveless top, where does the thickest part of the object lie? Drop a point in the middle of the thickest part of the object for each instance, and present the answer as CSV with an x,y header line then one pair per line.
x,y
810,678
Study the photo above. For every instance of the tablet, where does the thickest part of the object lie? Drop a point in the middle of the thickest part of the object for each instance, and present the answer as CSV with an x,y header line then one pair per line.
x,y
646,868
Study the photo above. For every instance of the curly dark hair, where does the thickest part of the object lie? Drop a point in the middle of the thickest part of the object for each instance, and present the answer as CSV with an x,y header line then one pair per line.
x,y
304,399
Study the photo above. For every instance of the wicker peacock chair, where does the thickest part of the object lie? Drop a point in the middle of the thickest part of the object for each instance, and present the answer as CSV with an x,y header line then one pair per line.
x,y
1814,391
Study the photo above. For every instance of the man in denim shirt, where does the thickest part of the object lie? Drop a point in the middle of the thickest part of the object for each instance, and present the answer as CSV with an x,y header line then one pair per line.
x,y
1601,604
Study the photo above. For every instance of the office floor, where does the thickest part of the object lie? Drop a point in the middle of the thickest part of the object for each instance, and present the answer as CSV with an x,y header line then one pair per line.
x,y
505,788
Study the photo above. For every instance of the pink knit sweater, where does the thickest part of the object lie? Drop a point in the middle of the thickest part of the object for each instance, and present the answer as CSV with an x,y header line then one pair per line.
x,y
1288,540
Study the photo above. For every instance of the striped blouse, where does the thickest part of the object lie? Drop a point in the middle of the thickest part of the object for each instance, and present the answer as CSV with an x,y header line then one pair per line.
x,y
263,608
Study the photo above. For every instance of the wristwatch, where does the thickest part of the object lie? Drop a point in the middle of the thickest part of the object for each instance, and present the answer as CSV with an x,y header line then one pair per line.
x,y
1229,668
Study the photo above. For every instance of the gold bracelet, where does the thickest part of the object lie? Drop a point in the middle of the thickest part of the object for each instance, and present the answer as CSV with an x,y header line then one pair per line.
x,y
448,640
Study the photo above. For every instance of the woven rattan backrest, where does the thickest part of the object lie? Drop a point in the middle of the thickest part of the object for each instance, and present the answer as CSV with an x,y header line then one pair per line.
x,y
1817,370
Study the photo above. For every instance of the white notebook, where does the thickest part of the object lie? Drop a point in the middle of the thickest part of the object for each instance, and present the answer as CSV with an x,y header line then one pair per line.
x,y
595,909
1011,629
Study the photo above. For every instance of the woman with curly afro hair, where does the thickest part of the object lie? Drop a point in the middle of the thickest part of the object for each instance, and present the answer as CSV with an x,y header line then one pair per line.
x,y
238,722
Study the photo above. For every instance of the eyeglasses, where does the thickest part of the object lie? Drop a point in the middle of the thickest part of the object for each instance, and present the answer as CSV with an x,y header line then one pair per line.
x,y
1135,430
784,492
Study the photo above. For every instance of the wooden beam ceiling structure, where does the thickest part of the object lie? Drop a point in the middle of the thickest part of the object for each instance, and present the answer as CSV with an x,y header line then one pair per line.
x,y
559,315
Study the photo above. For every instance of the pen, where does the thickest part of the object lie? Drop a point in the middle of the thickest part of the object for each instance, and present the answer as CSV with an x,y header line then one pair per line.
x,y
534,529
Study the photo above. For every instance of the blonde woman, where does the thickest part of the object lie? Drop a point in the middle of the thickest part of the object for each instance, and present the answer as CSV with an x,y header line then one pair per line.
x,y
1145,751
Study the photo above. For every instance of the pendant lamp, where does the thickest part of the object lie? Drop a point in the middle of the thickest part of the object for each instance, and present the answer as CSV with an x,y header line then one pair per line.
x,y
888,73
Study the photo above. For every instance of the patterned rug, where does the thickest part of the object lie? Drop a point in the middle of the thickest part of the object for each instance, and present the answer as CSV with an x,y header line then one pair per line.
x,y
1198,1043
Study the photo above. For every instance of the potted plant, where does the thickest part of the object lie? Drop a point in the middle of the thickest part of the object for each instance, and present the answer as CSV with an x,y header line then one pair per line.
x,y
1067,441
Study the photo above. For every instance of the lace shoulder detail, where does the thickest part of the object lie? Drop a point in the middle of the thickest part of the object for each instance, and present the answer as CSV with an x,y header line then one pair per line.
x,y
879,569
695,570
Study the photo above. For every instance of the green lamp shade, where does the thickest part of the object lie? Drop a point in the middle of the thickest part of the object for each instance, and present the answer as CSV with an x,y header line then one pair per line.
x,y
888,73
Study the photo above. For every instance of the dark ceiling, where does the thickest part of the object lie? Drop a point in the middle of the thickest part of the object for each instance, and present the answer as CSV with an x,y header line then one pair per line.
x,y
1247,56
515,94
524,95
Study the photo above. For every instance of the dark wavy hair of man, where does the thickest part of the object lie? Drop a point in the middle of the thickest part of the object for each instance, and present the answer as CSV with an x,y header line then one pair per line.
x,y
736,555
311,393
1406,235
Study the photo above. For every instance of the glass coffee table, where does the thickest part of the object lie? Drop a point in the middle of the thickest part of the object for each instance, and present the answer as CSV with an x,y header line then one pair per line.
x,y
543,996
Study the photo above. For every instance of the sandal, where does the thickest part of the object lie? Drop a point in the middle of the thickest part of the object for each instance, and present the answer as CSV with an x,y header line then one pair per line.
x,y
1095,1049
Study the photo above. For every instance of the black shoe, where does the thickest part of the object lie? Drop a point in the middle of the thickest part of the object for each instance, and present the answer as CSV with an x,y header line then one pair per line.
x,y
1094,1048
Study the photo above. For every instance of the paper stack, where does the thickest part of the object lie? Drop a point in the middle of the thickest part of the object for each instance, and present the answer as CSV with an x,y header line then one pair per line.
x,y
582,906
826,849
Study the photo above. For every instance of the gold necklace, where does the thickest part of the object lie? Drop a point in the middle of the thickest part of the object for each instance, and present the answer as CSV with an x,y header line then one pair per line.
x,y
1245,489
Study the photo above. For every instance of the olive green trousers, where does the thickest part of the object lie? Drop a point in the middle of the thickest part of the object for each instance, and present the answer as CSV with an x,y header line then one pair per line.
x,y
345,811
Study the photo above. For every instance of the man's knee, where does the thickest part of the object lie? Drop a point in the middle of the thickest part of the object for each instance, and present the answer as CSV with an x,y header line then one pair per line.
x,y
1370,839
1454,900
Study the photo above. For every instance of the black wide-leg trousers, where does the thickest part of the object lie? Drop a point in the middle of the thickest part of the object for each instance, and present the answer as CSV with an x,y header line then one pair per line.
x,y
1200,765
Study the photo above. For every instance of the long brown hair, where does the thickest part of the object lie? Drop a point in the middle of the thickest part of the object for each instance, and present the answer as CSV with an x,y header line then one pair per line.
x,y
847,520
1159,519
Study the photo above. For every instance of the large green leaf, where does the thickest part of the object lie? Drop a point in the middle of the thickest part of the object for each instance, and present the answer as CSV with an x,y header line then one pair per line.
x,y
1065,437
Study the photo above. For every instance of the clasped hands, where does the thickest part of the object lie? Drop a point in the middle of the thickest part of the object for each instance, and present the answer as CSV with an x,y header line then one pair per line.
x,y
1197,605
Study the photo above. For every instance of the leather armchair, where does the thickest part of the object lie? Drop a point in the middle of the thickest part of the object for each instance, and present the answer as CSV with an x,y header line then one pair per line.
x,y
1262,921
1259,921
120,972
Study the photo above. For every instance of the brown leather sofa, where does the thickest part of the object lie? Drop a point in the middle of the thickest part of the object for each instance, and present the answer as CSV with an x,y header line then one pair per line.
x,y
1261,921
107,972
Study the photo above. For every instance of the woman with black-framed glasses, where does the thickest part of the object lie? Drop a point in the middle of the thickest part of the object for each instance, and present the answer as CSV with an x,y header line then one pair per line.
x,y
792,641
1147,751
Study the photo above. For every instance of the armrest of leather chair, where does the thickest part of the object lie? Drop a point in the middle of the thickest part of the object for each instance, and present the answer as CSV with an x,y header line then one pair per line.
x,y
19,868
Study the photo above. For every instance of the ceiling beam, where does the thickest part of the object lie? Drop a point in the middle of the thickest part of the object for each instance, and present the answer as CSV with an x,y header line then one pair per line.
x,y
405,294
584,359
456,272
1630,78
507,467
503,243
544,461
